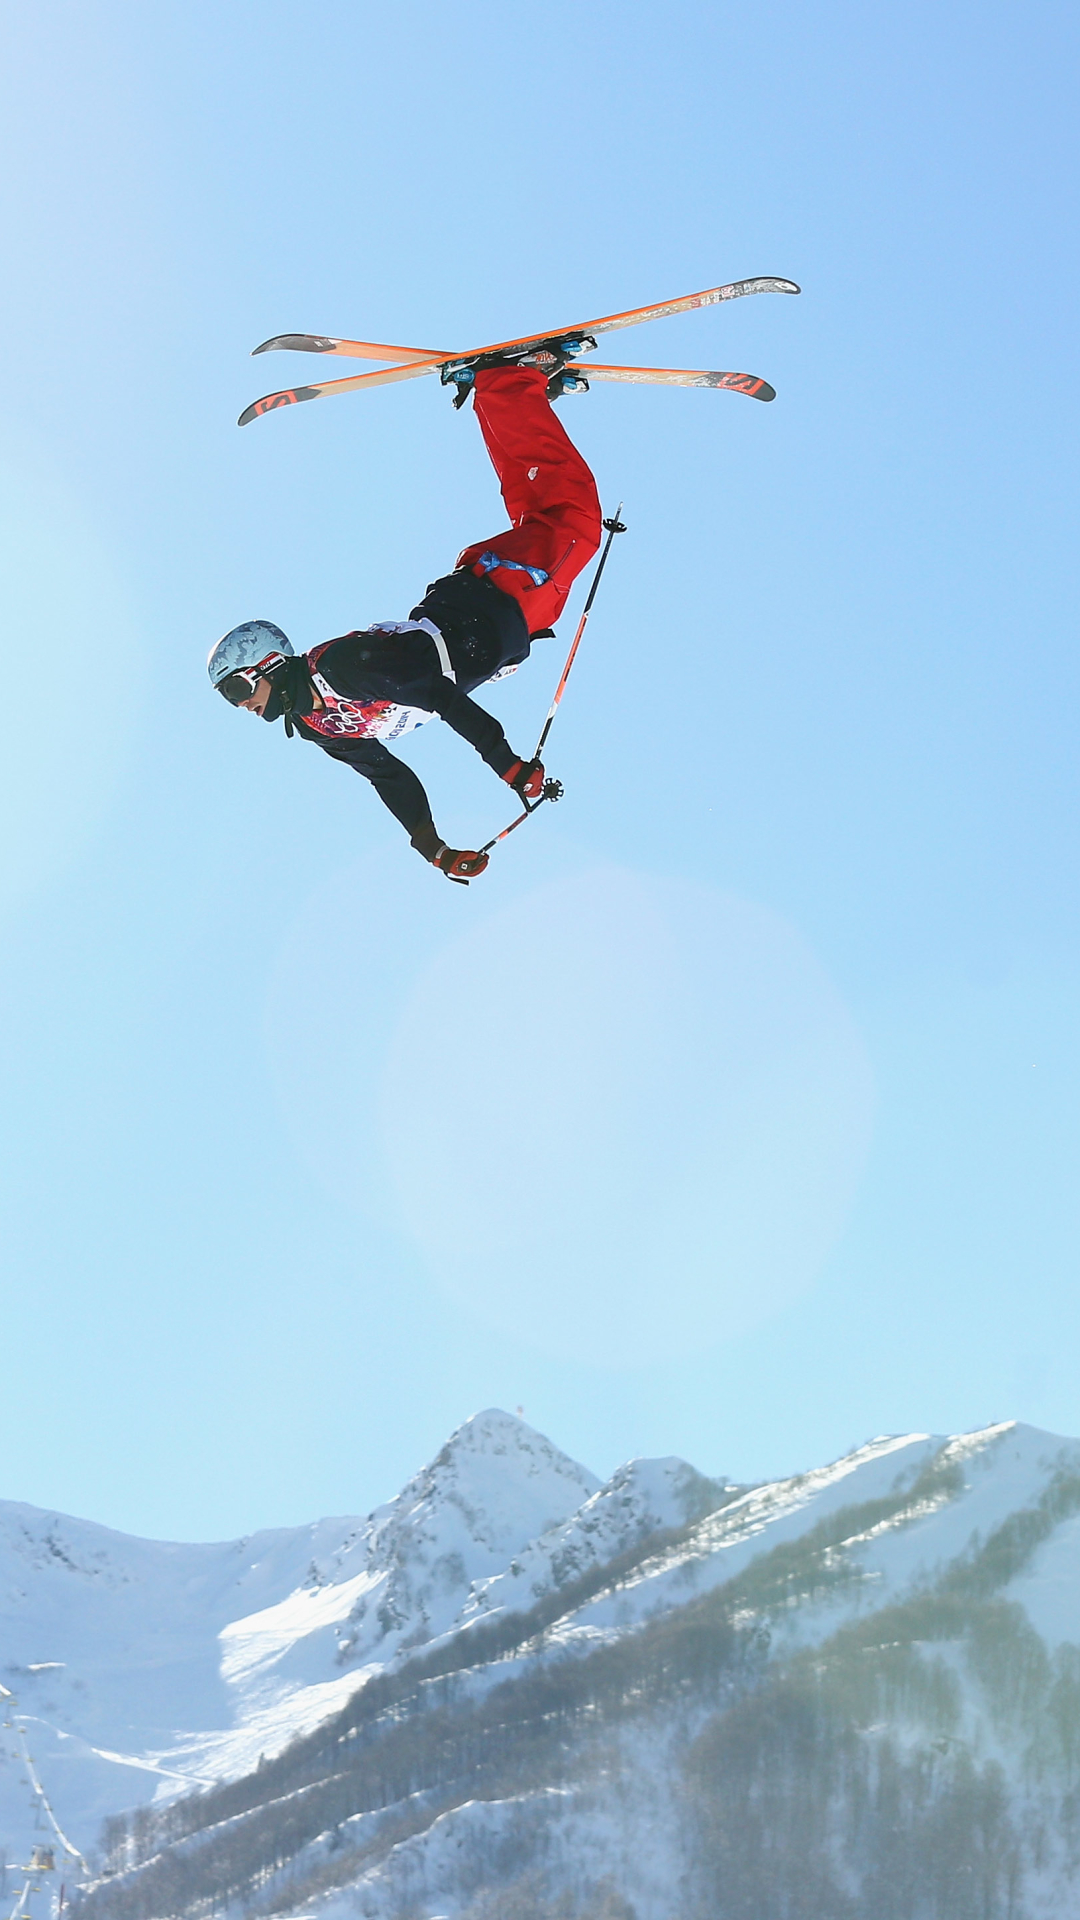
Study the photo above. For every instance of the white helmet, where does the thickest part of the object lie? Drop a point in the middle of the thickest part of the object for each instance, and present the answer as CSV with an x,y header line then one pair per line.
x,y
250,651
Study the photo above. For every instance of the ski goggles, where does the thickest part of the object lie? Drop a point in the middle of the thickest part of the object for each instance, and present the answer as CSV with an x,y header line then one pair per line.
x,y
239,686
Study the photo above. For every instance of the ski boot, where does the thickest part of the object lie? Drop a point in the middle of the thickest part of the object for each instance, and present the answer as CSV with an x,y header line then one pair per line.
x,y
550,356
567,380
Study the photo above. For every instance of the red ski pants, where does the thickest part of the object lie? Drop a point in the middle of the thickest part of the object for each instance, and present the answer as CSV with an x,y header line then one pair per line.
x,y
549,492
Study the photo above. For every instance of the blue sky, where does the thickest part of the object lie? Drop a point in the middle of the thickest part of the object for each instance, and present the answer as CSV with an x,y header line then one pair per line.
x,y
734,1113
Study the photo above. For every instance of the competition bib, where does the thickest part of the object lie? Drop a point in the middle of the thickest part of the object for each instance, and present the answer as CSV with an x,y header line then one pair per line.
x,y
370,720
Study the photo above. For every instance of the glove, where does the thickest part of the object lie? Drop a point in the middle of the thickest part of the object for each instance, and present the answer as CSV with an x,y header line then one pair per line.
x,y
459,865
527,778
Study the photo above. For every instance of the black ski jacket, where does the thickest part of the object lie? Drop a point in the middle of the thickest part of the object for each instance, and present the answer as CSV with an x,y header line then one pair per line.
x,y
484,630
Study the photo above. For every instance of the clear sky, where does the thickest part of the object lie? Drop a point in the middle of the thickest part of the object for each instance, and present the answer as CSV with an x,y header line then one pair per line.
x,y
735,1112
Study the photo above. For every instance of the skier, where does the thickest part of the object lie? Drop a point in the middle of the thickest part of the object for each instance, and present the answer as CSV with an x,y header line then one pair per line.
x,y
353,695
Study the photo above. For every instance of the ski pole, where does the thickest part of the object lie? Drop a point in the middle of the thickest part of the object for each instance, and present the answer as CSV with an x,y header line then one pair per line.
x,y
553,789
614,526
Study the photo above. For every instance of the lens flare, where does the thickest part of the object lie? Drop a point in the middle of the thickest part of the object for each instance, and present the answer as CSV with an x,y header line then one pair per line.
x,y
625,1116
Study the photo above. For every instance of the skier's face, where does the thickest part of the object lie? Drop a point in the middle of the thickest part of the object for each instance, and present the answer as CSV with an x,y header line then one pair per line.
x,y
256,702
246,687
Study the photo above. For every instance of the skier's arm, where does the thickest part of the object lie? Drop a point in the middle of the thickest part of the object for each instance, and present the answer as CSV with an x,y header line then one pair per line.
x,y
396,784
479,728
399,789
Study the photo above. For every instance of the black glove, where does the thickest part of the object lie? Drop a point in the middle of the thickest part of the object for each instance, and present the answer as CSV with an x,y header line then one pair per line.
x,y
458,865
527,778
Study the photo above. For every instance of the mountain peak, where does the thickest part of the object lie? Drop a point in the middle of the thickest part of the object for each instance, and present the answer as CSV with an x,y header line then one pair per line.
x,y
495,1434
494,1485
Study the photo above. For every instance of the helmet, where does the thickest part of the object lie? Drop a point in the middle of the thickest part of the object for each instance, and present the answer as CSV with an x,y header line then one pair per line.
x,y
255,649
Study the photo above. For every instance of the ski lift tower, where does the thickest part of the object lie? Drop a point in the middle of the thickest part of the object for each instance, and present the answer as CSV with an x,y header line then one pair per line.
x,y
42,1859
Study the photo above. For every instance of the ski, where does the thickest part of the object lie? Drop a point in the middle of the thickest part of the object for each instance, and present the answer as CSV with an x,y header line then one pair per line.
x,y
419,362
684,377
347,349
291,396
748,383
375,350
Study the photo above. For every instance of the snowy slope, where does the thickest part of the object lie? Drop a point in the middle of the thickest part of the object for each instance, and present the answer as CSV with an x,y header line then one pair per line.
x,y
143,1668
983,1479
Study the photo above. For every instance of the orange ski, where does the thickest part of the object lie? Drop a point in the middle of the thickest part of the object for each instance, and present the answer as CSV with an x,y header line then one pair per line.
x,y
375,350
348,349
419,362
683,377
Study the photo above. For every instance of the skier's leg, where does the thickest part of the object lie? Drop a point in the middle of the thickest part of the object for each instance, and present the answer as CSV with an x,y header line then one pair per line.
x,y
549,492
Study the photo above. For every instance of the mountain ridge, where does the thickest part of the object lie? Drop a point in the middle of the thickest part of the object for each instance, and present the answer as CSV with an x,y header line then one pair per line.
x,y
499,1562
175,1665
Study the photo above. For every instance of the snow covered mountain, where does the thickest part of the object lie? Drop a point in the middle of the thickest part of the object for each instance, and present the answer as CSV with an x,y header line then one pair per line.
x,y
144,1668
511,1666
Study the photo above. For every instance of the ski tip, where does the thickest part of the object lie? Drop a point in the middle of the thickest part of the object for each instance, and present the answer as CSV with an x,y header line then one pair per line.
x,y
271,401
761,283
296,343
749,383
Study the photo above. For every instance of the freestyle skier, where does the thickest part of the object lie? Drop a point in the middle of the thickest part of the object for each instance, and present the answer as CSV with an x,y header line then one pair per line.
x,y
355,695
